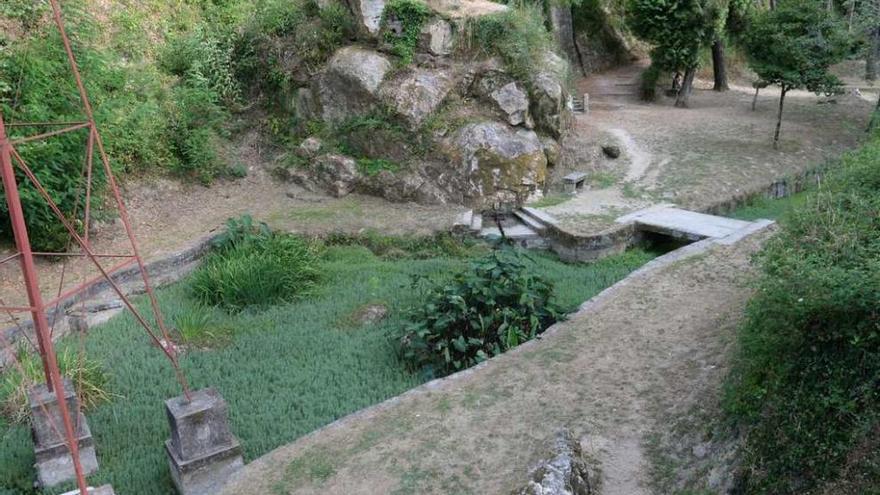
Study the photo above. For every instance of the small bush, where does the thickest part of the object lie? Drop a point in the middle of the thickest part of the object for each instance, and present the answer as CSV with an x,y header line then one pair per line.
x,y
486,310
87,376
257,270
402,21
648,83
200,326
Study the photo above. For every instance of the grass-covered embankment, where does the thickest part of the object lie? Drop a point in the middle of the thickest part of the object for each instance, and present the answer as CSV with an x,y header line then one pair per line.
x,y
806,384
285,370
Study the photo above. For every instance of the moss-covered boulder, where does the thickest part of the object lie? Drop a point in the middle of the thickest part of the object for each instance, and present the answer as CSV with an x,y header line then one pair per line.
x,y
497,165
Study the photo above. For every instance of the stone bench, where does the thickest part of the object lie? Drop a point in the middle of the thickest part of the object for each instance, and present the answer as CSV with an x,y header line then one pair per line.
x,y
574,181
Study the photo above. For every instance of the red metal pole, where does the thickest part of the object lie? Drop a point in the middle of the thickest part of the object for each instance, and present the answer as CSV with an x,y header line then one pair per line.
x,y
41,324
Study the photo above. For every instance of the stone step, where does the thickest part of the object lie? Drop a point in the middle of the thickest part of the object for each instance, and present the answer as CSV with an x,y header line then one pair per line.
x,y
515,232
543,217
530,222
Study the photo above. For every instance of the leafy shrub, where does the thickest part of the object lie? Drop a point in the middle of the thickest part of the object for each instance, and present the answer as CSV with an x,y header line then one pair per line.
x,y
407,18
37,86
648,83
807,380
518,36
87,376
195,118
493,306
256,268
203,56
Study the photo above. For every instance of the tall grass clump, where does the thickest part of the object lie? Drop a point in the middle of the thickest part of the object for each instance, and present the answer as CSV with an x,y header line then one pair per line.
x,y
255,267
494,305
87,376
806,384
518,36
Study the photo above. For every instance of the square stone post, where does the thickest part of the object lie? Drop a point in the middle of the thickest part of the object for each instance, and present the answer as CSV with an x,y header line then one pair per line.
x,y
202,451
101,490
54,464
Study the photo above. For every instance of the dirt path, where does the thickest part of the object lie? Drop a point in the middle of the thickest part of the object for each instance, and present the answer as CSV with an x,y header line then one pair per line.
x,y
608,374
715,151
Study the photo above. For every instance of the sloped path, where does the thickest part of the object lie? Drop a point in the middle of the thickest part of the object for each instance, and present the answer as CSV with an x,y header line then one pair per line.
x,y
609,373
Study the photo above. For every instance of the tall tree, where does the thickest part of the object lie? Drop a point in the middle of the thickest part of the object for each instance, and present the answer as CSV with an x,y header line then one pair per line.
x,y
678,29
793,47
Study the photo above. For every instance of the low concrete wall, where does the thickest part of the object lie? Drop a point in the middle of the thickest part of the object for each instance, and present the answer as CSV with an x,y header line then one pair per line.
x,y
101,298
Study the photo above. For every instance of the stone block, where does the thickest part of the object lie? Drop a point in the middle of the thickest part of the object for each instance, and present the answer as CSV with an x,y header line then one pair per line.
x,y
202,451
53,460
101,490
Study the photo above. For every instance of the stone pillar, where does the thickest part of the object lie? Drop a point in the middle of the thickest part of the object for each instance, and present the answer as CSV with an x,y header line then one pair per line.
x,y
53,462
202,451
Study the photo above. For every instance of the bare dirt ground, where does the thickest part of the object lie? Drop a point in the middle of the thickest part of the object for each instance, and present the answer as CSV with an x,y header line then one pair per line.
x,y
611,374
168,216
717,150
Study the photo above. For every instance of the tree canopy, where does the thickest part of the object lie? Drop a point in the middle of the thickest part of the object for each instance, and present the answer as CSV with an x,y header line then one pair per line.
x,y
794,45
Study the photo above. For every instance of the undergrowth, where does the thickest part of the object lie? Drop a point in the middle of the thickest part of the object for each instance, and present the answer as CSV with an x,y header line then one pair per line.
x,y
518,36
806,385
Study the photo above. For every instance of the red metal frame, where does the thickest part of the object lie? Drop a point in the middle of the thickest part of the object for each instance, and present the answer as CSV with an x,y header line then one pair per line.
x,y
10,159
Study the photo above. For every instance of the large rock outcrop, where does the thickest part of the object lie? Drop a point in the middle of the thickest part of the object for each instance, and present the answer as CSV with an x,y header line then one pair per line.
x,y
550,97
495,165
350,84
416,94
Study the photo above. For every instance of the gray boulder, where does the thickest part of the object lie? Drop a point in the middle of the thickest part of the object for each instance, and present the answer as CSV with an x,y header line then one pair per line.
x,y
514,103
552,150
368,15
309,148
416,94
337,174
562,472
350,83
611,151
436,38
494,165
550,104
305,105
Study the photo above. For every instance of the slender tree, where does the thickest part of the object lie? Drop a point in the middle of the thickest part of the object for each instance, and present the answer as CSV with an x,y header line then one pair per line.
x,y
793,47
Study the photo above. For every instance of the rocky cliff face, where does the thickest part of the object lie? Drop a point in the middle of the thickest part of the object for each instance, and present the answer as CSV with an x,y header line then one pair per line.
x,y
450,127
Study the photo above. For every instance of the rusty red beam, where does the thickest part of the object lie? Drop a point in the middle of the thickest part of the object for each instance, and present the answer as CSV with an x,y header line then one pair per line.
x,y
96,255
35,299
45,135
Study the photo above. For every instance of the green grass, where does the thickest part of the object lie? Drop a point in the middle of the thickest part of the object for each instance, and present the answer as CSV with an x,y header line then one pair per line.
x,y
771,209
285,371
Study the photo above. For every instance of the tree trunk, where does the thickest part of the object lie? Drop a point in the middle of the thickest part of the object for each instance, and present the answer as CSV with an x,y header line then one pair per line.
x,y
755,99
873,120
719,67
872,55
779,118
686,86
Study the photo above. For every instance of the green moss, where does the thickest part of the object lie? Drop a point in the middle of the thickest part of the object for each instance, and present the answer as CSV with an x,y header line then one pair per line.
x,y
406,17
